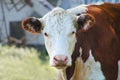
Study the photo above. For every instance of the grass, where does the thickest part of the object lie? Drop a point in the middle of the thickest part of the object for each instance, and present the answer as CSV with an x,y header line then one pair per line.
x,y
23,64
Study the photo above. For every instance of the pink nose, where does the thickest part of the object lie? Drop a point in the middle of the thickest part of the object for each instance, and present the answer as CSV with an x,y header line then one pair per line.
x,y
60,60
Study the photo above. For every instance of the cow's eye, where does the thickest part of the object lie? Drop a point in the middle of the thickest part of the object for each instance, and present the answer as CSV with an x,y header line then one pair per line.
x,y
46,34
73,32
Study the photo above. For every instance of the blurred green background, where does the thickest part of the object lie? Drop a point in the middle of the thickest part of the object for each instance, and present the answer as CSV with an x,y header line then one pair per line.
x,y
24,64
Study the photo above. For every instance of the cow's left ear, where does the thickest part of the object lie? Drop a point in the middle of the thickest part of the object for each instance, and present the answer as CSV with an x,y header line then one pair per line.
x,y
32,24
85,21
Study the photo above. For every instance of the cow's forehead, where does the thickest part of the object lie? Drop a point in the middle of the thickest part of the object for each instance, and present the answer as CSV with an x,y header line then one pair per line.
x,y
58,12
59,19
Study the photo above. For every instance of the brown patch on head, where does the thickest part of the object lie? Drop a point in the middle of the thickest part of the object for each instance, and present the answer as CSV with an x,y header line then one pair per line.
x,y
32,25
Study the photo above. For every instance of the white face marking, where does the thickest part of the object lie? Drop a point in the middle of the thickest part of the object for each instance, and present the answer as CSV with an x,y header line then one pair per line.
x,y
59,33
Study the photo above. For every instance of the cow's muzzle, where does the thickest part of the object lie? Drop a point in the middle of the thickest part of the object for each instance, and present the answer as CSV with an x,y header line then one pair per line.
x,y
60,61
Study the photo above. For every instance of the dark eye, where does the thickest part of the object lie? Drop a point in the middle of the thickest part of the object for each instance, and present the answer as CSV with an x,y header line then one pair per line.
x,y
46,34
73,32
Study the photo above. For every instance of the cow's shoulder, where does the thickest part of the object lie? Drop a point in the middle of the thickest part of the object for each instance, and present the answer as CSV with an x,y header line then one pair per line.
x,y
107,13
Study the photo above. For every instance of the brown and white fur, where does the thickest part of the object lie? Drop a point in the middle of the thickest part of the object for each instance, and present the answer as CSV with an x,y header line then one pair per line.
x,y
94,28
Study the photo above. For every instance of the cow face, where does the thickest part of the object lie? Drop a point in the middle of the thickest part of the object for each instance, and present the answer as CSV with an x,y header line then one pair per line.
x,y
59,30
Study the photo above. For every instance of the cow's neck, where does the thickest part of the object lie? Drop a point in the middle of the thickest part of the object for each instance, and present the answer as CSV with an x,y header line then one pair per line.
x,y
62,74
89,70
74,72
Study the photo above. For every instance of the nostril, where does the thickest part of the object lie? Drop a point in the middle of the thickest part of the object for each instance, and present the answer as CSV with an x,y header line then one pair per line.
x,y
60,59
66,59
55,59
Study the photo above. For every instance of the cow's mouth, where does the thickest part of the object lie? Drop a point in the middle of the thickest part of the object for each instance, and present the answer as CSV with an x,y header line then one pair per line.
x,y
60,62
61,65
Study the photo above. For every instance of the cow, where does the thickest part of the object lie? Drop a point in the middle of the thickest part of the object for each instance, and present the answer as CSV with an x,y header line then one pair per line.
x,y
83,43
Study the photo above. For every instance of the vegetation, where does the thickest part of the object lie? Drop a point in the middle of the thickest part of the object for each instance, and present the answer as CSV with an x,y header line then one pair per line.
x,y
23,64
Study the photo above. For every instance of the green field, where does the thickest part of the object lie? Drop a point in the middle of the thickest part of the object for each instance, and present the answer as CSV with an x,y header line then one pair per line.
x,y
24,64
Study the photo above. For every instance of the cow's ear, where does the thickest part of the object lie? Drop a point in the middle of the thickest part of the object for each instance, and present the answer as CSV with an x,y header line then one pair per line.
x,y
85,21
32,25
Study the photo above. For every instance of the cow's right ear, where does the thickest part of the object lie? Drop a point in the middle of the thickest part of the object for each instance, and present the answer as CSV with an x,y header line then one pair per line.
x,y
32,25
85,21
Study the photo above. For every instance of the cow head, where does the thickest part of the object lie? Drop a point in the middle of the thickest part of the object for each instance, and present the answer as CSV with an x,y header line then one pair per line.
x,y
59,29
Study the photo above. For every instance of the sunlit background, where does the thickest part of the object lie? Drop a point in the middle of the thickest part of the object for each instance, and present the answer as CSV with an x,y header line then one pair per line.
x,y
23,55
